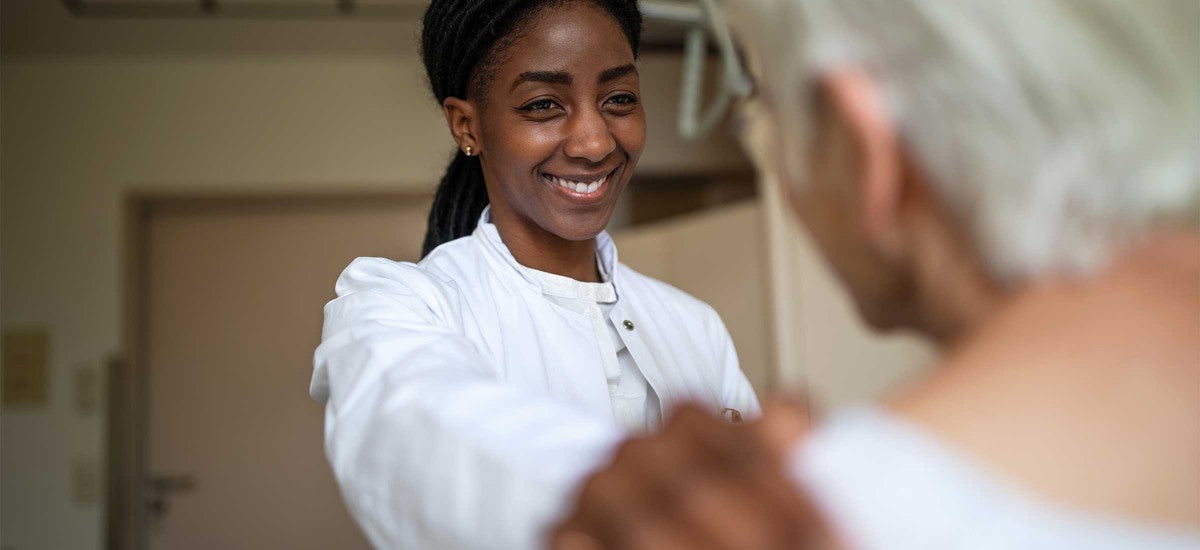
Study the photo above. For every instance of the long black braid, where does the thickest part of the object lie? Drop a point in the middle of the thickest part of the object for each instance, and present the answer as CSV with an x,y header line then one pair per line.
x,y
461,41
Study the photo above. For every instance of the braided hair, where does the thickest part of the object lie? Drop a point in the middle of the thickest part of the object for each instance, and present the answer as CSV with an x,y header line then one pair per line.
x,y
461,43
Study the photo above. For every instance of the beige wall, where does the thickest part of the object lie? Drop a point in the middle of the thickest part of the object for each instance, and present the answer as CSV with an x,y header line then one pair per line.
x,y
79,132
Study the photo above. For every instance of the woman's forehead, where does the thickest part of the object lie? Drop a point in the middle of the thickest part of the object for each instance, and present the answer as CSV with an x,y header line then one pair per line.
x,y
578,39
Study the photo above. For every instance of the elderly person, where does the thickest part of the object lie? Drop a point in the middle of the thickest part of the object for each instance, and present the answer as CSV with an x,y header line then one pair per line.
x,y
1019,181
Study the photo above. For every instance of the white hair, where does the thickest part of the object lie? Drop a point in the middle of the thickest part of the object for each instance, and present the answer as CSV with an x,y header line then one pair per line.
x,y
1055,130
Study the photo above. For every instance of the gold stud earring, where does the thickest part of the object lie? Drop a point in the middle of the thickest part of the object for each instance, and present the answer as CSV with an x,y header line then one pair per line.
x,y
469,150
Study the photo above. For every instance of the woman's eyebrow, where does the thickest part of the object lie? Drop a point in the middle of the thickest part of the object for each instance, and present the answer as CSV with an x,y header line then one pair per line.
x,y
564,78
549,77
617,72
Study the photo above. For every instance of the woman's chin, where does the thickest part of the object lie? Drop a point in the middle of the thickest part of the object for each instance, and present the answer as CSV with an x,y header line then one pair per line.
x,y
580,228
580,233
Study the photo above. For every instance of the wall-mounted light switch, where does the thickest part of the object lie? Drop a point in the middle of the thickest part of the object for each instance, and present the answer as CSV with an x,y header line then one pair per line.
x,y
26,377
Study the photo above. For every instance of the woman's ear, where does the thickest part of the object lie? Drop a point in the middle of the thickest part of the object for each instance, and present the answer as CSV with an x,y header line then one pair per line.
x,y
858,107
460,117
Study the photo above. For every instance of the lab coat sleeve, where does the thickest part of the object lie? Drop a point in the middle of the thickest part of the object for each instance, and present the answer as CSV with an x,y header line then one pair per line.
x,y
429,447
736,391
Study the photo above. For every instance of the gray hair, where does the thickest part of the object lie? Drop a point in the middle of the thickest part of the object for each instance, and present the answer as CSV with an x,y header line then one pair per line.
x,y
1055,130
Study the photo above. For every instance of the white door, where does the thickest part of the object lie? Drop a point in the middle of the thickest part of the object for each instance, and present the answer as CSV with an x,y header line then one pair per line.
x,y
233,306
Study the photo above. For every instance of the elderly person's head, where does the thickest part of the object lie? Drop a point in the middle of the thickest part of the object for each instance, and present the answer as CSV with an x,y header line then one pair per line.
x,y
943,152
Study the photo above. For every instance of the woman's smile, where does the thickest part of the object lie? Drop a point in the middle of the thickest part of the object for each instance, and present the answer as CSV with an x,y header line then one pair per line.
x,y
584,188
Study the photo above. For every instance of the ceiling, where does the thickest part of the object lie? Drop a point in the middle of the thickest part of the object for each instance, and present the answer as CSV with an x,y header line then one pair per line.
x,y
165,27
263,9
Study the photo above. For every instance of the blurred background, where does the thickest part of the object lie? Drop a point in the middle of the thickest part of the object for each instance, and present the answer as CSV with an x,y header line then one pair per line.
x,y
181,181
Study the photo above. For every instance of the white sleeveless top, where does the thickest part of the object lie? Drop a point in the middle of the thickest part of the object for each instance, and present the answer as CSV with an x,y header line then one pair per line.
x,y
884,483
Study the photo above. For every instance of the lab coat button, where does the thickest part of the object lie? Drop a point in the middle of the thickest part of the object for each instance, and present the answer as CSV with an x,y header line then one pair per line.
x,y
628,324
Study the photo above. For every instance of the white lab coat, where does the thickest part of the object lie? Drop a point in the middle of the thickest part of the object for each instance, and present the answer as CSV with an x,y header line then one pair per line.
x,y
463,408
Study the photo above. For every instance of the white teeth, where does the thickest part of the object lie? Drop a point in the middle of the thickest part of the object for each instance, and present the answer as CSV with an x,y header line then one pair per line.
x,y
577,186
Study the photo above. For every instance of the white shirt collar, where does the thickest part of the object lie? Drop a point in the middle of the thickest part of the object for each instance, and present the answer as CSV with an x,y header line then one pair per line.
x,y
550,283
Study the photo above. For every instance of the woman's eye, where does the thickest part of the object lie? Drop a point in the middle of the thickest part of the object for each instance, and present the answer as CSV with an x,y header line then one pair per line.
x,y
538,105
623,99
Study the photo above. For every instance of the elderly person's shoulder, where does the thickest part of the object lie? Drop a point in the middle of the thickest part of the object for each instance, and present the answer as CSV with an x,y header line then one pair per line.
x,y
1082,381
1068,421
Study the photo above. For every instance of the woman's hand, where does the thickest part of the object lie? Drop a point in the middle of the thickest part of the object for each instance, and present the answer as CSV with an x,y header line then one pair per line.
x,y
699,483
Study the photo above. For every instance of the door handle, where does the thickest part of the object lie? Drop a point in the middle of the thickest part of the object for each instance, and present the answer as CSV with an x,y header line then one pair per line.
x,y
162,486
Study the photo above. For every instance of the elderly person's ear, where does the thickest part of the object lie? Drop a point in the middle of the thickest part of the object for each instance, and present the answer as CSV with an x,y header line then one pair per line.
x,y
854,106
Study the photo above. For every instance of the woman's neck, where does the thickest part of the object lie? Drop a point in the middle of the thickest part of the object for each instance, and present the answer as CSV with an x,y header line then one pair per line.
x,y
536,248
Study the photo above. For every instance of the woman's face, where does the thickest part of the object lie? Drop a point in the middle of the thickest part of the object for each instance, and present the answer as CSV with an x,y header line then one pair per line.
x,y
560,126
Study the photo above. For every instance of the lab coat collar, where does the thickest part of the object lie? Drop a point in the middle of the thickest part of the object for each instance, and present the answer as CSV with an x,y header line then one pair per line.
x,y
549,283
489,239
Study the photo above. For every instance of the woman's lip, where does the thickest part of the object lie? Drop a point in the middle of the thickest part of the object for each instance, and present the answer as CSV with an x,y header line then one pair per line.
x,y
584,178
593,189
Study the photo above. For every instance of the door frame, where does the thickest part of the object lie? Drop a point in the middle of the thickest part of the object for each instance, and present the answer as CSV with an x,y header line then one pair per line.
x,y
128,399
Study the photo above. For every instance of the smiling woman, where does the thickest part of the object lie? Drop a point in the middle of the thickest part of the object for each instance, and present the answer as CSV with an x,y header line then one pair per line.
x,y
535,114
558,129
468,395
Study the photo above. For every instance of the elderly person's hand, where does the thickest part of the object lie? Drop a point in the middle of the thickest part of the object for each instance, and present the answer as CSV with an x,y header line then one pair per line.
x,y
700,483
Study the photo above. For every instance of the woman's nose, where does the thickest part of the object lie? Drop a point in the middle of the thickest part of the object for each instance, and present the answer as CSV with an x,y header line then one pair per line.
x,y
589,137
